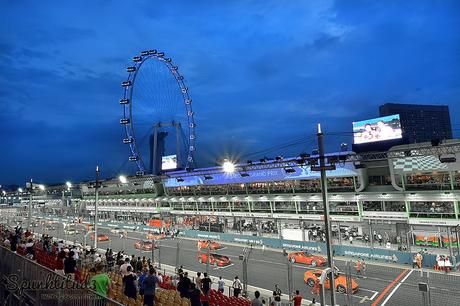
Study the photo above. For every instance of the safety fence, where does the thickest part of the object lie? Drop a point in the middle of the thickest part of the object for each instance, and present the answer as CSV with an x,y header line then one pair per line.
x,y
385,255
24,282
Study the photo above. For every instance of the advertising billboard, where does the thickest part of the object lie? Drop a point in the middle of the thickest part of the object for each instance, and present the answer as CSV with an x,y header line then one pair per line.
x,y
169,162
377,129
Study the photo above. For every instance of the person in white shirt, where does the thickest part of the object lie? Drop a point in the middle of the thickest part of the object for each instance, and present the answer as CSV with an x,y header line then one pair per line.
x,y
124,267
236,286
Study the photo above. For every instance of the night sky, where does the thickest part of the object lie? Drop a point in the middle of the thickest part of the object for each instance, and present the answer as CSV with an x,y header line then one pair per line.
x,y
261,74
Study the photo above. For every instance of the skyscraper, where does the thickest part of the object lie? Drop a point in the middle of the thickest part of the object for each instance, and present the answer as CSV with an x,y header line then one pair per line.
x,y
421,123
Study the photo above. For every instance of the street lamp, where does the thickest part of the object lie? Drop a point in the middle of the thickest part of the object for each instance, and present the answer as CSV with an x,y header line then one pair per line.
x,y
96,207
20,190
69,188
123,179
228,166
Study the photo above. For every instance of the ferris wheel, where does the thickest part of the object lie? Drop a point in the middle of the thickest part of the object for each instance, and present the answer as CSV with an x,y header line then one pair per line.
x,y
156,104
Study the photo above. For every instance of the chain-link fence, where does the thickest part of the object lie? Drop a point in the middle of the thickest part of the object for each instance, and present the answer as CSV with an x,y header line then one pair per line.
x,y
24,282
387,285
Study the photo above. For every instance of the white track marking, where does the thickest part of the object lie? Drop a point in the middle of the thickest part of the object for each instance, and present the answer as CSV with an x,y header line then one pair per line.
x,y
396,288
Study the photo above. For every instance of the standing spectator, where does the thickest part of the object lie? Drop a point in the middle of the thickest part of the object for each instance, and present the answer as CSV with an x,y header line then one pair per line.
x,y
142,276
59,263
133,263
184,285
139,264
100,282
351,239
198,281
195,295
206,284
379,237
277,295
110,262
129,280
69,265
221,285
297,299
30,249
256,301
13,243
236,286
124,267
180,271
149,287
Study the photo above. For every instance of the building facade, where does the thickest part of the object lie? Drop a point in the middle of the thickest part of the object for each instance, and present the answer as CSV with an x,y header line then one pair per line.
x,y
421,123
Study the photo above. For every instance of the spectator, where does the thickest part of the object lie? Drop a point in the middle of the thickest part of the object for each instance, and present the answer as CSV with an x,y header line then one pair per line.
x,y
198,281
277,295
142,276
69,265
221,285
149,287
206,284
236,286
133,263
110,262
124,267
180,271
194,295
30,249
13,243
297,299
100,282
256,301
129,281
59,263
184,285
139,264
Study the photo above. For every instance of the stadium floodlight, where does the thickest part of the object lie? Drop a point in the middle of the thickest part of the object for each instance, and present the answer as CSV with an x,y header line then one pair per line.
x,y
228,167
19,189
3,192
41,187
123,179
68,184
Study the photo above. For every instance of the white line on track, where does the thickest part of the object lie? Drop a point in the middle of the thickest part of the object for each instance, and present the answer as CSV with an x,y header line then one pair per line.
x,y
374,295
396,288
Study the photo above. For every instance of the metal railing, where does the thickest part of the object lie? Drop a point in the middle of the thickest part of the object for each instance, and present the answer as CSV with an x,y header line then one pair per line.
x,y
24,282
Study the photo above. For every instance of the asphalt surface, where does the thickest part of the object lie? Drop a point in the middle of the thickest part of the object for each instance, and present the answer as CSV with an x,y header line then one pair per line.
x,y
382,284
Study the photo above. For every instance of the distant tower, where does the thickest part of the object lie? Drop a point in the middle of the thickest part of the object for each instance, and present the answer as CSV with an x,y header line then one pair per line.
x,y
157,145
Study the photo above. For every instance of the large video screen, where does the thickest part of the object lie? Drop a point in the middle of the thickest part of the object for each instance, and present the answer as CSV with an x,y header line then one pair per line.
x,y
377,129
169,162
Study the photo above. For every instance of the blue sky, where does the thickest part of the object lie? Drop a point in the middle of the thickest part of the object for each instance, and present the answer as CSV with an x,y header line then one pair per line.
x,y
261,73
